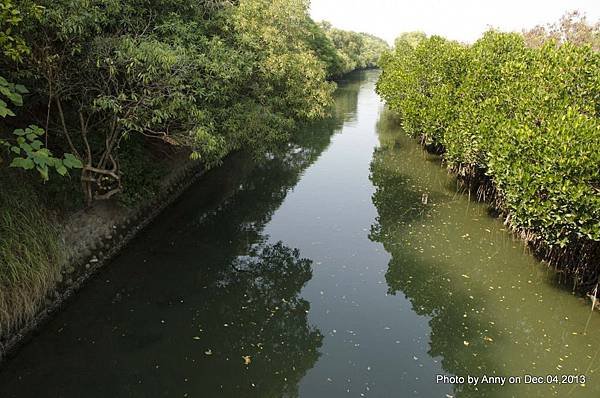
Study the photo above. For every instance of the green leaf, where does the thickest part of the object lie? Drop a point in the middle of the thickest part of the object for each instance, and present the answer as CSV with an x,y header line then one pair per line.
x,y
62,170
37,144
23,163
33,129
72,162
26,147
43,170
21,89
4,110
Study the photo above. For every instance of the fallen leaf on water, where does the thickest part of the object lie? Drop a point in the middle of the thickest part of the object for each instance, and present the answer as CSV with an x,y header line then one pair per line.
x,y
247,359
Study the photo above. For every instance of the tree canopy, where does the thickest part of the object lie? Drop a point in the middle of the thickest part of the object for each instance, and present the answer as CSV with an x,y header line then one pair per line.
x,y
521,117
355,50
213,77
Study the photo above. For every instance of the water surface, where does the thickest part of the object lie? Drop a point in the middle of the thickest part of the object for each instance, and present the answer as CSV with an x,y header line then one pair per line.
x,y
347,266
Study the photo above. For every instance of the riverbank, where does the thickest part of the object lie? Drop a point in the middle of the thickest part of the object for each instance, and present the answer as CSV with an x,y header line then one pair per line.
x,y
96,100
320,265
519,127
89,239
576,264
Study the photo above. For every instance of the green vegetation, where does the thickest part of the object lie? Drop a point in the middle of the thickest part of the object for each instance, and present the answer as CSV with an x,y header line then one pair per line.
x,y
30,255
112,94
211,77
354,50
27,150
525,121
207,77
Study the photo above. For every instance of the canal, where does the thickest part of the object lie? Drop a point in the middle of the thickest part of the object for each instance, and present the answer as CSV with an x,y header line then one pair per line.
x,y
349,265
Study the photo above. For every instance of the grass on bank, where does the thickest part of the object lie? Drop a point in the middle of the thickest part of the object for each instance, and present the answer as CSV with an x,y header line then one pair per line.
x,y
30,256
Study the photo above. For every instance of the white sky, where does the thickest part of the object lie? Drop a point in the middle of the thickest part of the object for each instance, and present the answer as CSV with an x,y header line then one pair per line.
x,y
463,20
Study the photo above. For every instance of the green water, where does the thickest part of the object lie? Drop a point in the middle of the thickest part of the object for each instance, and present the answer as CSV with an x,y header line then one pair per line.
x,y
347,266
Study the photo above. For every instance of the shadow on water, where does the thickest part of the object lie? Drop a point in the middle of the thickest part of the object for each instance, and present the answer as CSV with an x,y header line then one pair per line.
x,y
493,309
199,304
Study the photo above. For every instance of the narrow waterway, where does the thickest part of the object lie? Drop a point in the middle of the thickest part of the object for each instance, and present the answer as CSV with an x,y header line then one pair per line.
x,y
348,266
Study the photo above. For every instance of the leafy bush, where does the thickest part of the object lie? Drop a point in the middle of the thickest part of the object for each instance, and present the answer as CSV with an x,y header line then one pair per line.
x,y
529,118
421,83
24,145
142,172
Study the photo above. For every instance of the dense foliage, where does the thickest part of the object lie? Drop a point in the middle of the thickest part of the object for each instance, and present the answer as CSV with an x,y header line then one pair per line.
x,y
528,118
210,76
355,50
115,94
25,145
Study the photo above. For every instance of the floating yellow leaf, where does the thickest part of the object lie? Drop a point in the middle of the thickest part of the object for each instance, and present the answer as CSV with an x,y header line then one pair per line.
x,y
247,359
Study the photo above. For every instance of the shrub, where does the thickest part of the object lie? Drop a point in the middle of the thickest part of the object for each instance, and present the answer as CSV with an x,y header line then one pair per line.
x,y
527,118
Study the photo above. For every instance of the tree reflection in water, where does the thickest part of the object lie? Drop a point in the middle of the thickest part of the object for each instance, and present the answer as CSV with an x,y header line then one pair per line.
x,y
264,320
428,285
202,304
